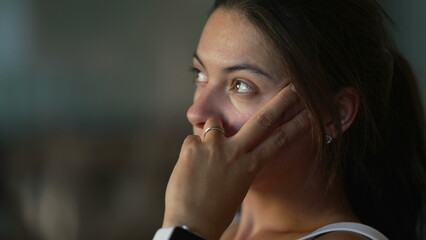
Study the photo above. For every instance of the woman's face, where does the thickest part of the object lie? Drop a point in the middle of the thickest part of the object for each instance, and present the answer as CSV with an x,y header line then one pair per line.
x,y
238,71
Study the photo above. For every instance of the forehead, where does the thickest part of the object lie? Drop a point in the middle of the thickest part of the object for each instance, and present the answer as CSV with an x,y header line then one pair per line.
x,y
229,38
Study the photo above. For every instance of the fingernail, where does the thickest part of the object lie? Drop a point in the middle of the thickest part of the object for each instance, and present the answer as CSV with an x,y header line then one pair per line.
x,y
293,88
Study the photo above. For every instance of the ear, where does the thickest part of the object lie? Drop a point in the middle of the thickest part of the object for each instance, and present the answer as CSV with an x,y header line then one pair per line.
x,y
347,100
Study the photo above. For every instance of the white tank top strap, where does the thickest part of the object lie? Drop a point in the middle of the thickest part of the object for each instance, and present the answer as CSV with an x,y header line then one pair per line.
x,y
359,228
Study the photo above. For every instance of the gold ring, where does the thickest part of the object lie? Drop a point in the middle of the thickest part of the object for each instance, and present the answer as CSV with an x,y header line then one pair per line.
x,y
221,129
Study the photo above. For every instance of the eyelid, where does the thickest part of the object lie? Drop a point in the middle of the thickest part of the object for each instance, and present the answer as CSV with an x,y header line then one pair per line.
x,y
194,70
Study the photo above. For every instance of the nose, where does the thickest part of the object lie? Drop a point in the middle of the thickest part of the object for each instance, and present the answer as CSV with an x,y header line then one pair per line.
x,y
206,105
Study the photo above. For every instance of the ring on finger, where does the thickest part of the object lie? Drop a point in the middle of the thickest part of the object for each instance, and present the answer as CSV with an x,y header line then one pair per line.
x,y
221,129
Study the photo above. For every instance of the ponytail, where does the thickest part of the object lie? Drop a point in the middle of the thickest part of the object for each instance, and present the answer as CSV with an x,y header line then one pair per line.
x,y
387,190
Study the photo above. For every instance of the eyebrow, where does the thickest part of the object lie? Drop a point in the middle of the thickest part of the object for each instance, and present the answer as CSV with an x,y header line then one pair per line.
x,y
240,67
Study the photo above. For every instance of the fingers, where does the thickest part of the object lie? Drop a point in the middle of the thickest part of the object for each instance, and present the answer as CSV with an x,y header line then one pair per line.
x,y
266,118
282,136
213,130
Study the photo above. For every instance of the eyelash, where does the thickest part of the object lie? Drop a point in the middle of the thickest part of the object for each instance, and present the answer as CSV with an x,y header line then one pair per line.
x,y
234,84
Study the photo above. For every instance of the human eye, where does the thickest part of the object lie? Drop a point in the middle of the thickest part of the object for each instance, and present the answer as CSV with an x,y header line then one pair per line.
x,y
240,86
200,77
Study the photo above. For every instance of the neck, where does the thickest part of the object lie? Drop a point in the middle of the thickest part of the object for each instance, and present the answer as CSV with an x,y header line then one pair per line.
x,y
292,208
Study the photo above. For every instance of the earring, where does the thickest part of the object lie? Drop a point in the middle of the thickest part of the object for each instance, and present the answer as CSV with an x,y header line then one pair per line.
x,y
328,139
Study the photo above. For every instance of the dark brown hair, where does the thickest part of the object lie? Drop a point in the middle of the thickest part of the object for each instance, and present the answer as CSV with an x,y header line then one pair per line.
x,y
327,45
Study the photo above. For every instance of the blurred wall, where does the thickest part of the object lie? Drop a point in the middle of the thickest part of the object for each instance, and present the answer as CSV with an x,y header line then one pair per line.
x,y
410,34
93,96
96,61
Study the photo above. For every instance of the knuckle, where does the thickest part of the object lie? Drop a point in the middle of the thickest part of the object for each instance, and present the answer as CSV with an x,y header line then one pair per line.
x,y
234,150
264,120
213,150
255,164
285,101
190,146
281,138
253,168
188,152
233,155
190,140
300,122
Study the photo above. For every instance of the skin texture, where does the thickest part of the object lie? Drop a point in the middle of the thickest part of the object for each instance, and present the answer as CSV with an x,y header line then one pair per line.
x,y
266,159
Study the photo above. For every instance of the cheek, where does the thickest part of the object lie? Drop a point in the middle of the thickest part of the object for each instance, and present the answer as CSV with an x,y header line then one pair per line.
x,y
244,110
235,125
236,119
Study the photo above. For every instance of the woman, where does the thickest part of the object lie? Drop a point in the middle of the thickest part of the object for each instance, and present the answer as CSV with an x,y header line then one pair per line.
x,y
307,115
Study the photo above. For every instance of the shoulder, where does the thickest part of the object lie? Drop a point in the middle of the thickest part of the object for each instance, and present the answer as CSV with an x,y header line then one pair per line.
x,y
341,235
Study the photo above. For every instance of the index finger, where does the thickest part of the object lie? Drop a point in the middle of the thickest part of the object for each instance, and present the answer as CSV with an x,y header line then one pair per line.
x,y
264,119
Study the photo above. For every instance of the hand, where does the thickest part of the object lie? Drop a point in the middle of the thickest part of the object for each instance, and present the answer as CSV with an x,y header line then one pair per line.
x,y
213,173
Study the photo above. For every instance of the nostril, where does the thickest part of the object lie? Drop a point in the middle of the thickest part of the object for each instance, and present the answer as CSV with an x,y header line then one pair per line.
x,y
199,125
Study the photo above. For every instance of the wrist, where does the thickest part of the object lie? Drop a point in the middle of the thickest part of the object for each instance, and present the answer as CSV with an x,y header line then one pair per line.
x,y
176,233
205,231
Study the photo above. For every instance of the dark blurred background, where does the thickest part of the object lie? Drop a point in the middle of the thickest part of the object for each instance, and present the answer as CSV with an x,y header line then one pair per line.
x,y
93,96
